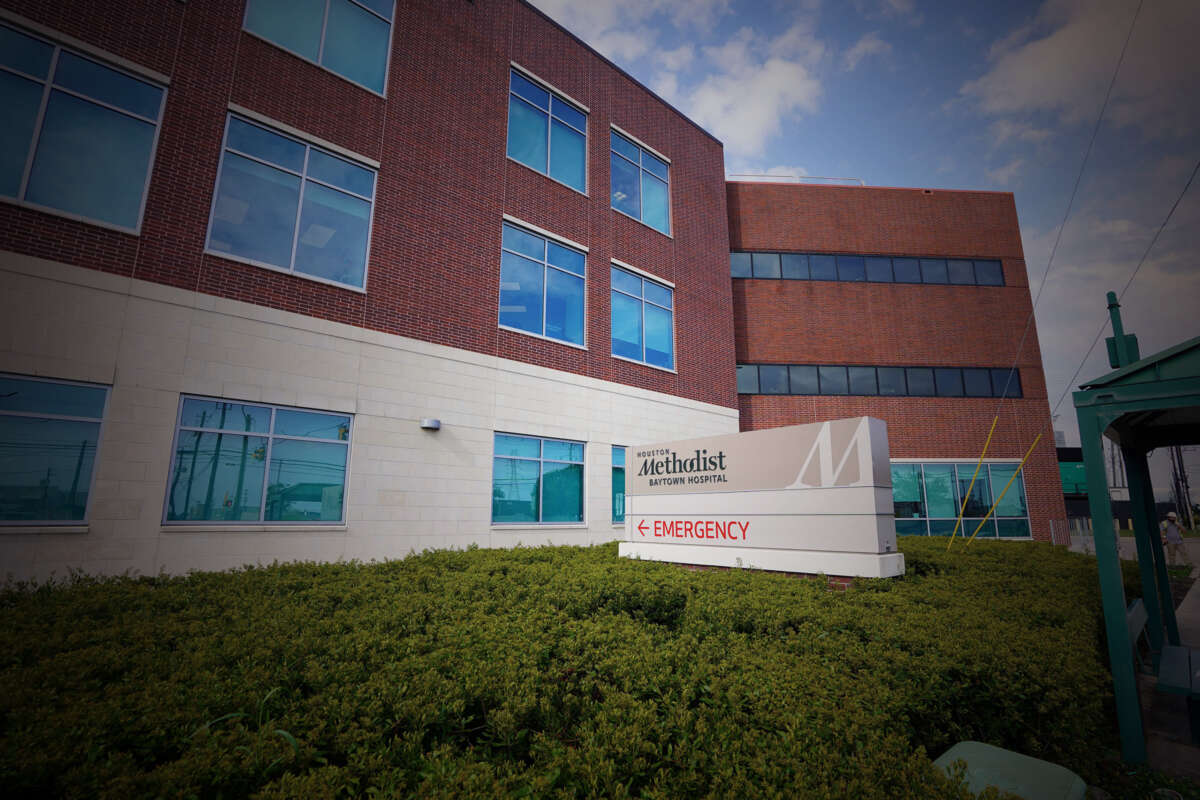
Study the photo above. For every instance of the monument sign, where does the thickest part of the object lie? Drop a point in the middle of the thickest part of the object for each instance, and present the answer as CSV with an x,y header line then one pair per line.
x,y
804,498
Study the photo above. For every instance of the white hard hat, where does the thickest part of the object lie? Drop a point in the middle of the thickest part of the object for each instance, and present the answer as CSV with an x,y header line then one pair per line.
x,y
1171,515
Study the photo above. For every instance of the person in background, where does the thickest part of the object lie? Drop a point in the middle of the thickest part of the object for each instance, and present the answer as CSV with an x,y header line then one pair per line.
x,y
1172,537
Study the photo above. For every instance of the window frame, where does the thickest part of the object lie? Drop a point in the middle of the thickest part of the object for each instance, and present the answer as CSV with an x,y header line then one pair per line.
x,y
387,67
550,117
835,268
87,508
905,371
985,476
48,85
270,436
309,144
643,149
624,467
546,265
541,460
643,276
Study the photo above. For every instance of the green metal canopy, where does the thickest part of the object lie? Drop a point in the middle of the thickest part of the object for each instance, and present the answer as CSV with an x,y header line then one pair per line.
x,y
1143,404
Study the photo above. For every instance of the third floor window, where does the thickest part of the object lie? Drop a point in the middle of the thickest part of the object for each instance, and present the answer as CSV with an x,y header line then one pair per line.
x,y
546,133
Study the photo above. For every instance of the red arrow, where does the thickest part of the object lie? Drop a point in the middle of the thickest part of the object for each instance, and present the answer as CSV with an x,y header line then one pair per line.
x,y
642,527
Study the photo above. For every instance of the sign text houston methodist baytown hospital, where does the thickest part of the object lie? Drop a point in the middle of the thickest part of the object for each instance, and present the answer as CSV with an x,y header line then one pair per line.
x,y
805,498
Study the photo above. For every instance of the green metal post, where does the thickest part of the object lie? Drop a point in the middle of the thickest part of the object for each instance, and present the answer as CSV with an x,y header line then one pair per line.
x,y
1160,570
1144,528
1112,590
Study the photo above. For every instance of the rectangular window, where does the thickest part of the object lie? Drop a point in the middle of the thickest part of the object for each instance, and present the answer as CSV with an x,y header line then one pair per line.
x,y
908,270
920,382
546,132
823,268
618,484
989,273
541,286
891,382
851,268
739,265
48,436
862,381
795,266
772,379
252,463
350,38
642,320
879,270
287,205
640,184
766,265
747,379
949,382
929,497
79,136
960,272
536,480
977,382
1006,382
933,270
803,380
833,380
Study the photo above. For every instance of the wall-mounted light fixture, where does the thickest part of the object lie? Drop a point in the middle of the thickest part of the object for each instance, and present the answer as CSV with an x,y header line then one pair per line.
x,y
430,424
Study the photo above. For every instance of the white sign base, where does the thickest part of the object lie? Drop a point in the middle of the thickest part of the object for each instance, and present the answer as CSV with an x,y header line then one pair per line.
x,y
811,562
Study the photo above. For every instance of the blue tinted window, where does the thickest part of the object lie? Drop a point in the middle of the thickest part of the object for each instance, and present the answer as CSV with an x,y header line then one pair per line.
x,y
739,263
640,184
879,270
255,206
547,133
795,266
960,272
851,268
108,86
747,379
989,273
766,265
626,187
977,382
24,53
931,495
862,381
803,380
21,98
891,381
220,475
82,157
292,24
933,270
536,480
47,466
91,161
344,37
949,382
833,380
642,330
544,269
341,173
772,379
822,268
920,382
263,144
1002,378
907,270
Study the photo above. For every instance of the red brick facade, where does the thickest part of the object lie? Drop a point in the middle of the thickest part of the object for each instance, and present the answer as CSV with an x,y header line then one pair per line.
x,y
444,182
818,322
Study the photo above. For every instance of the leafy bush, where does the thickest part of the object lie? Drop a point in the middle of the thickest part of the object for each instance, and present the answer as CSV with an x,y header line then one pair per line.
x,y
561,672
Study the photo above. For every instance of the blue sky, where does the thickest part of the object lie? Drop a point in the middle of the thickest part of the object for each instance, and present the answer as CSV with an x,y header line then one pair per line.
x,y
995,95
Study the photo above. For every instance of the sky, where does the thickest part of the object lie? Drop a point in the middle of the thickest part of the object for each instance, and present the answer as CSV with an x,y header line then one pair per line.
x,y
989,95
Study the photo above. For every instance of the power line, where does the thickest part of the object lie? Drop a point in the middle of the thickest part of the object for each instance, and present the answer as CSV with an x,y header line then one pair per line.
x,y
1129,282
1070,205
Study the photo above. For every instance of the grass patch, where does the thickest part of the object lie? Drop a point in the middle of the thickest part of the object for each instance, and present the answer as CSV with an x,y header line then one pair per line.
x,y
563,672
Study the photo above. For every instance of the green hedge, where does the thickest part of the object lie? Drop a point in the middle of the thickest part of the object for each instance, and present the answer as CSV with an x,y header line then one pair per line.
x,y
562,672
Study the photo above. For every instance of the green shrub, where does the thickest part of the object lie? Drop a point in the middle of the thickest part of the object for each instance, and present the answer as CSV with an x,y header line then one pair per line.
x,y
550,672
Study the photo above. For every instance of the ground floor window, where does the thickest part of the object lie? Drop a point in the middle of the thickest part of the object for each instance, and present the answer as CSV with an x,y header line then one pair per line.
x,y
48,436
928,498
536,480
247,462
618,484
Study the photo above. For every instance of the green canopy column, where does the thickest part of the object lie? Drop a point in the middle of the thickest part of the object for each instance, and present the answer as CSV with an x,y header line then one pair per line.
x,y
1112,588
1141,489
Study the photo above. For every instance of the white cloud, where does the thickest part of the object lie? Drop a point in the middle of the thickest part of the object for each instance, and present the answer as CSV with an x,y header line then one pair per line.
x,y
1007,130
776,171
1062,62
677,59
1004,175
869,45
